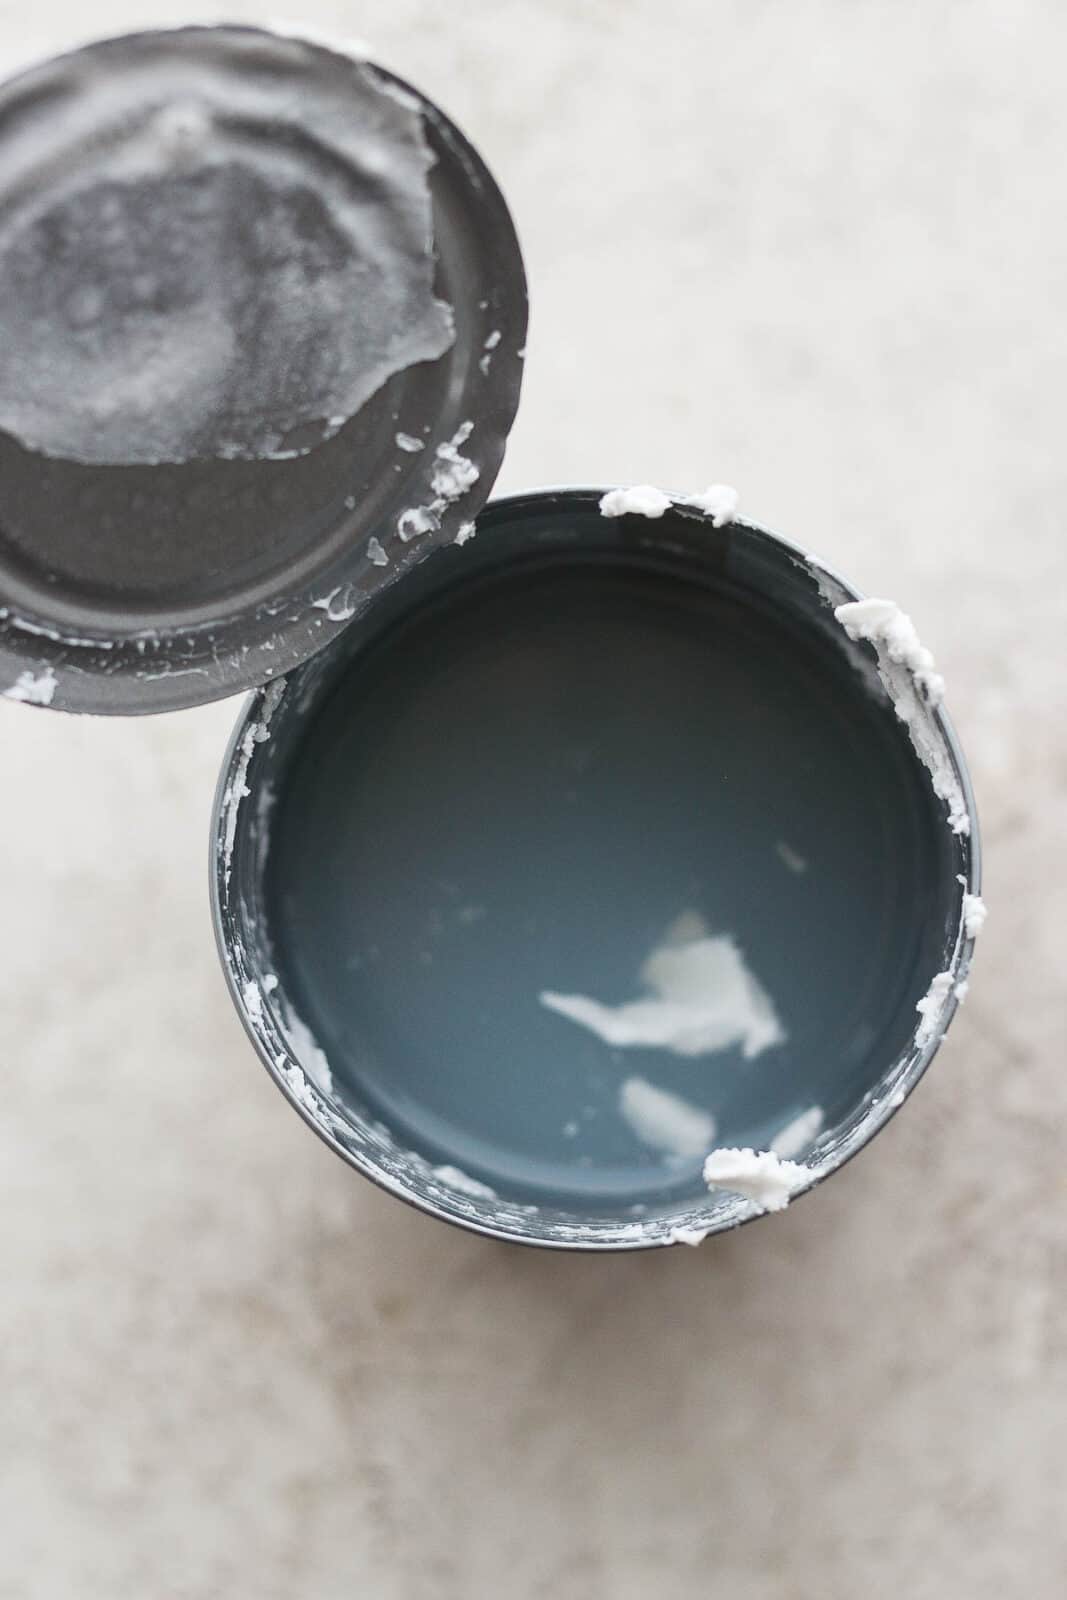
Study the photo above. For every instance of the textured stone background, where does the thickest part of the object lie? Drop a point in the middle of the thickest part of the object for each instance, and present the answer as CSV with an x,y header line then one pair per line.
x,y
817,248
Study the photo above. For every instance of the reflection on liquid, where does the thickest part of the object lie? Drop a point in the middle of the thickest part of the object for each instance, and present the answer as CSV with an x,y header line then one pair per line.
x,y
665,1121
703,998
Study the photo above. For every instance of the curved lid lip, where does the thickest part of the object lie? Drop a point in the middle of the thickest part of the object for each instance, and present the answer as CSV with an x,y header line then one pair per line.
x,y
67,655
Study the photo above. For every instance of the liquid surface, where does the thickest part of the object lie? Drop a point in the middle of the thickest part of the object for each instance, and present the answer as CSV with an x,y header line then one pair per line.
x,y
585,869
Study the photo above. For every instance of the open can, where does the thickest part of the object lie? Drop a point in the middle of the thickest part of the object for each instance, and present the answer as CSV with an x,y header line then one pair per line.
x,y
591,867
595,845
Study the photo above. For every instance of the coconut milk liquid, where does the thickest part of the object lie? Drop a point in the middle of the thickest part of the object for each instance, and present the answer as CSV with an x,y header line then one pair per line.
x,y
584,869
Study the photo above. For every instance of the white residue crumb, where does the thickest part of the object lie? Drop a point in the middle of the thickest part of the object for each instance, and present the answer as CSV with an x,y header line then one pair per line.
x,y
253,1000
310,1055
644,501
570,1130
376,554
270,982
909,676
414,522
962,990
882,622
338,610
974,911
680,1234
34,691
930,1007
664,1120
350,502
467,530
797,1136
454,473
493,340
759,1175
789,857
703,998
299,1087
458,1179
896,1099
408,441
718,501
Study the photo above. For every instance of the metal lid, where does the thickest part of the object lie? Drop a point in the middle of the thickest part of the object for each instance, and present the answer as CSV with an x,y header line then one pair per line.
x,y
262,317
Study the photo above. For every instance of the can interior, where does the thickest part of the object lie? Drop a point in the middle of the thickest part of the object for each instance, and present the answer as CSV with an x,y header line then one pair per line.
x,y
594,846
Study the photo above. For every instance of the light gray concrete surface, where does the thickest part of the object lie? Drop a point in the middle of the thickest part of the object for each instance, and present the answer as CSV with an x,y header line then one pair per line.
x,y
815,248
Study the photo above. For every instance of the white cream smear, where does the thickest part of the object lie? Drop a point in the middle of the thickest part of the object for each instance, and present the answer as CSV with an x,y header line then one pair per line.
x,y
759,1175
703,999
665,1121
910,677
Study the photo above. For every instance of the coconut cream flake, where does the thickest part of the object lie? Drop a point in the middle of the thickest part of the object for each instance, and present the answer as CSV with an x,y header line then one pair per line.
x,y
642,501
910,678
682,1234
33,691
973,910
453,475
718,501
253,1000
759,1175
930,1008
883,624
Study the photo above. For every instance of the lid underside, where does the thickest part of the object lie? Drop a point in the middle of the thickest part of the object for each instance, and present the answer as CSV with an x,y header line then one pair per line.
x,y
263,314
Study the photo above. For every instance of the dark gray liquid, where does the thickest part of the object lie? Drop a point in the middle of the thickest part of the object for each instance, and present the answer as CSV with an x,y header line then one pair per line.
x,y
537,781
